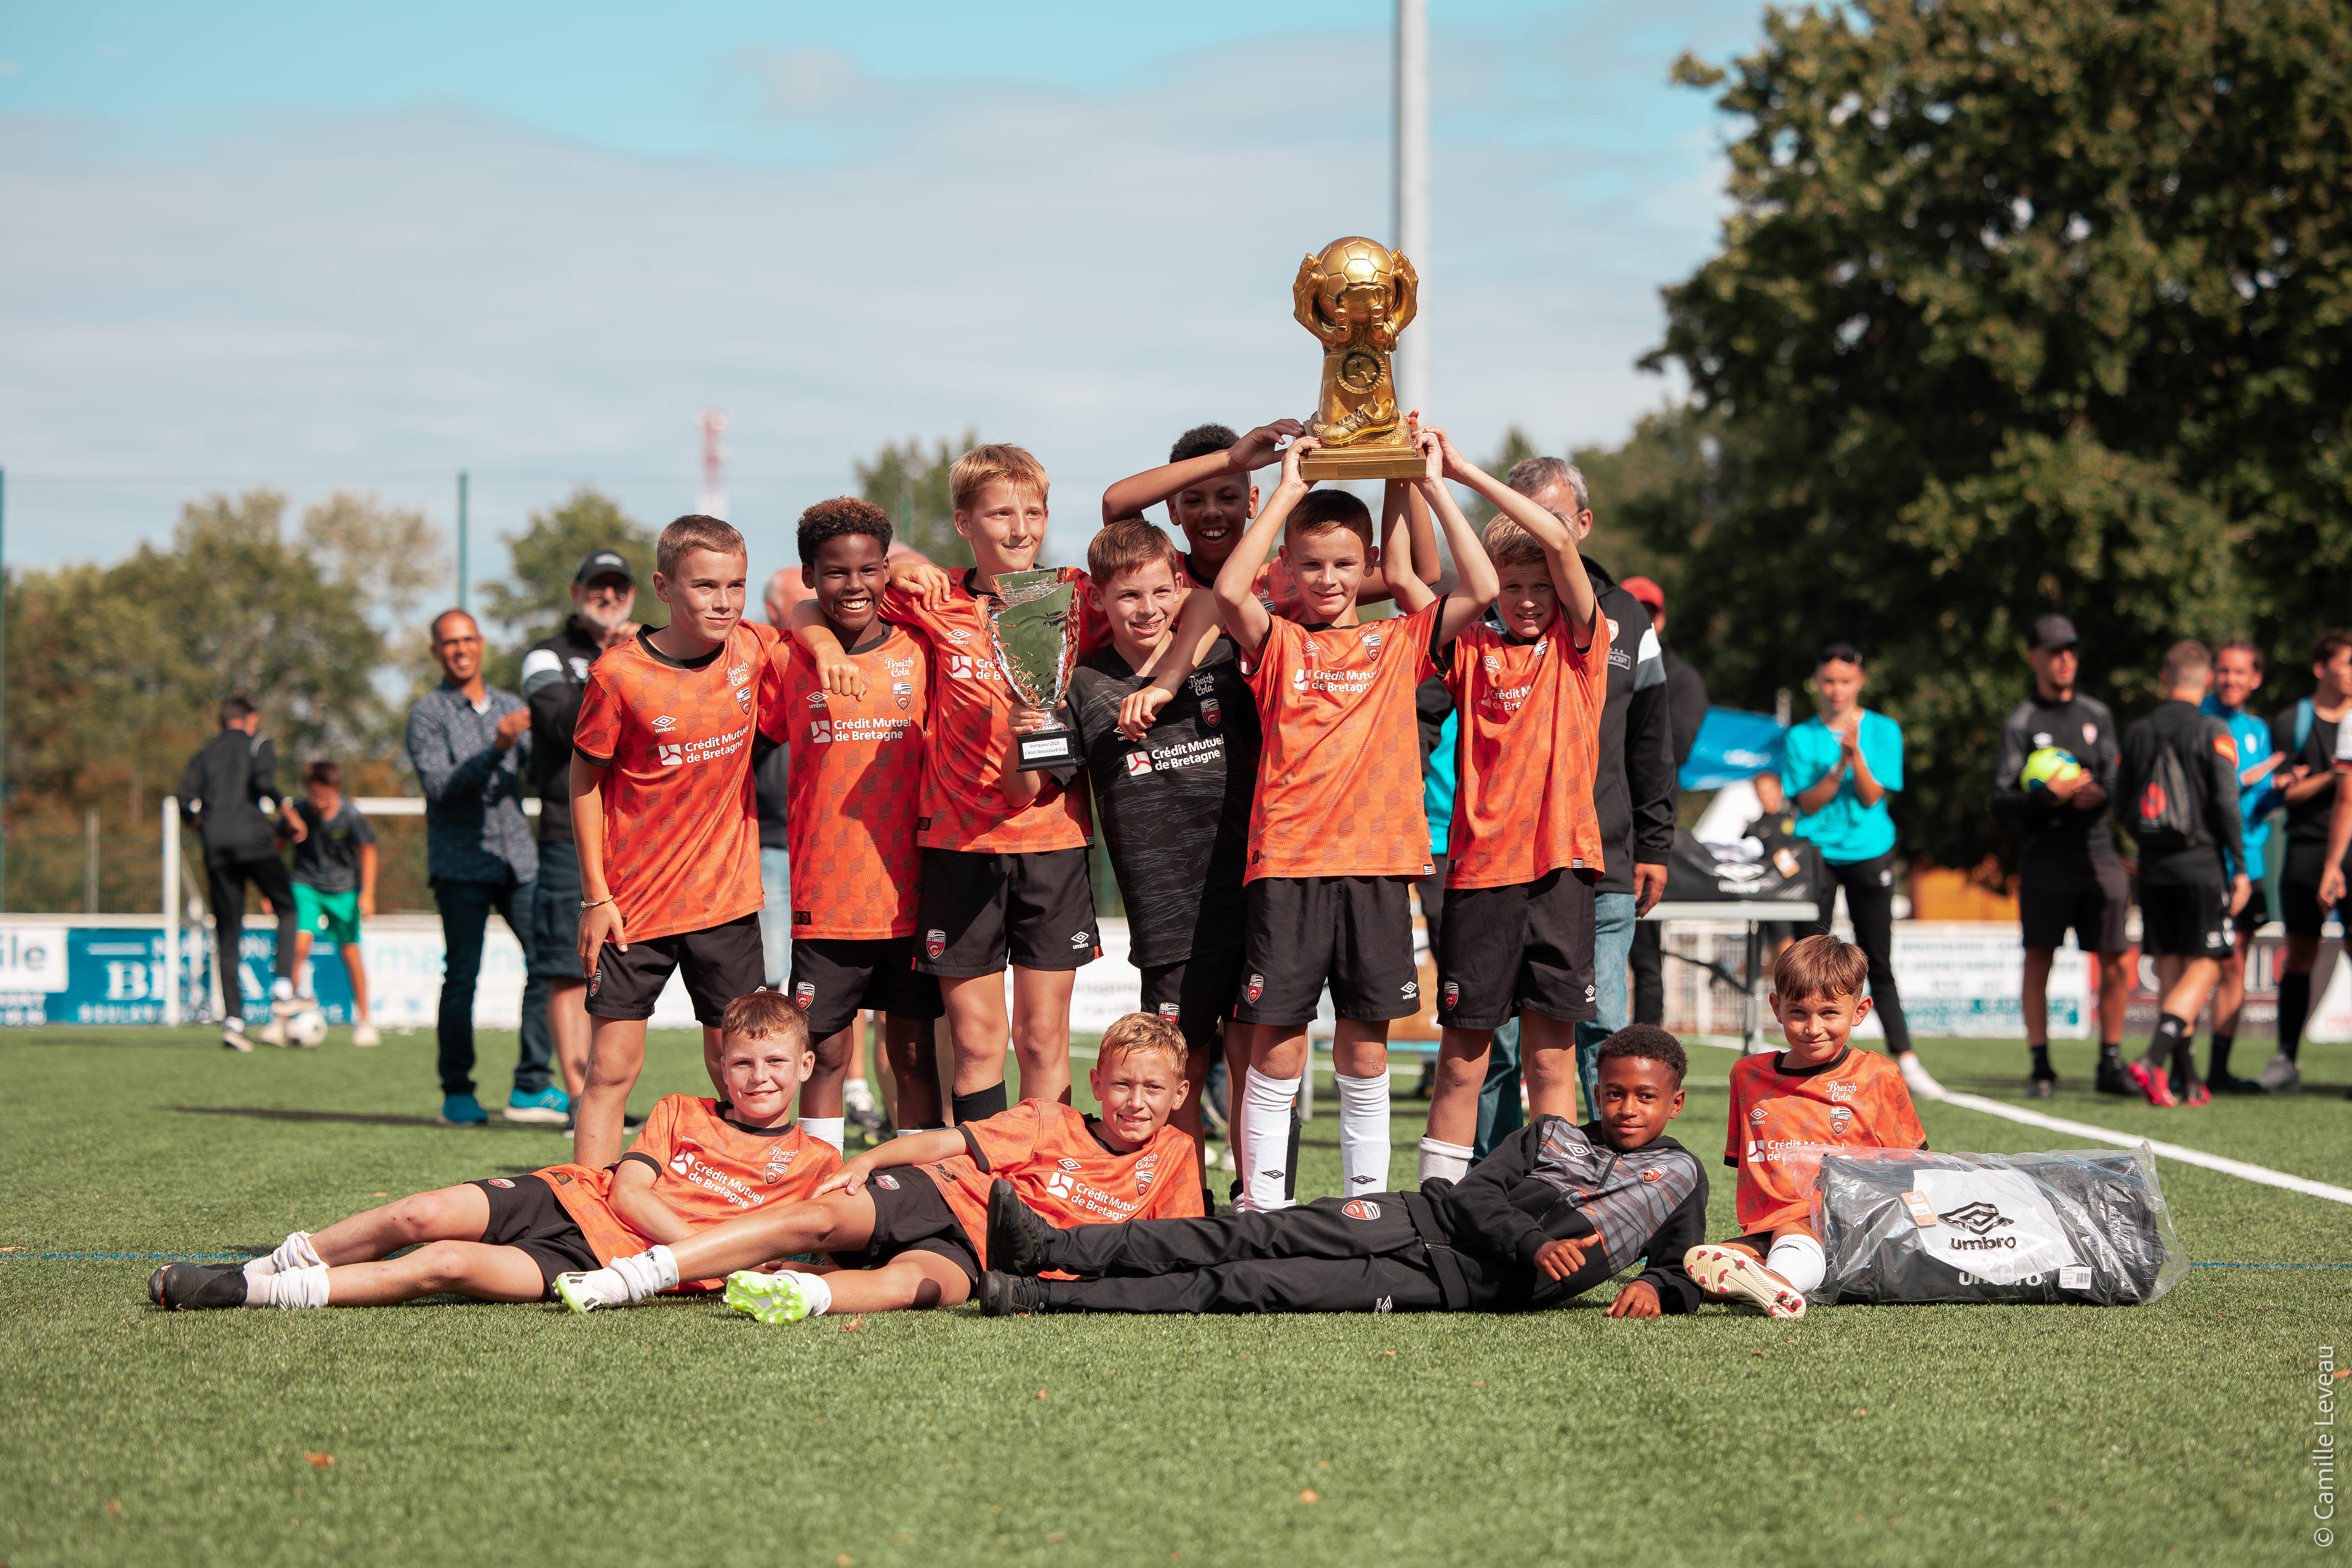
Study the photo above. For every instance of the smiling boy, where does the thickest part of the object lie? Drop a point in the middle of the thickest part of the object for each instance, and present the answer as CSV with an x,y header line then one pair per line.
x,y
1786,1108
852,796
1554,1211
907,1220
662,811
506,1239
1337,830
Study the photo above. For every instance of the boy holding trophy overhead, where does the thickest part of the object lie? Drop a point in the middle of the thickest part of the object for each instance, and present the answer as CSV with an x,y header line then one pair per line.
x,y
1337,833
1001,881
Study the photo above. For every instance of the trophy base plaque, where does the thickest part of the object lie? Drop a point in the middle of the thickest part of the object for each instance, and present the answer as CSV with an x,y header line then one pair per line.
x,y
1048,748
1377,460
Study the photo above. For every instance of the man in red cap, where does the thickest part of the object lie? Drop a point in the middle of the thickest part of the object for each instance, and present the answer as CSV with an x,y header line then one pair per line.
x,y
1686,707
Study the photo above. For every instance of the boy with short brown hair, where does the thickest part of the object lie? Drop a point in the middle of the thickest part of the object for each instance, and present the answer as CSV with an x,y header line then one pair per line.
x,y
663,812
1337,831
907,1220
1786,1108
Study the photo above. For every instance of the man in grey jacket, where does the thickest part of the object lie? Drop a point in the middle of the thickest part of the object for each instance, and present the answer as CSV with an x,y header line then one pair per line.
x,y
228,794
469,744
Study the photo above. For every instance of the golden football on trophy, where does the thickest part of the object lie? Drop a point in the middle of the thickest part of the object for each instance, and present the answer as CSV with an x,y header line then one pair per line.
x,y
1356,296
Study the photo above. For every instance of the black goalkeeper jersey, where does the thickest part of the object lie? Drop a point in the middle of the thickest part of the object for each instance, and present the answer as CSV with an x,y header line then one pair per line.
x,y
1175,806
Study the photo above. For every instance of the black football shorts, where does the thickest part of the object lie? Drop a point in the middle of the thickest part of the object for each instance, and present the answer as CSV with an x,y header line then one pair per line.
x,y
1354,933
1529,946
1196,995
718,965
834,977
2185,921
980,910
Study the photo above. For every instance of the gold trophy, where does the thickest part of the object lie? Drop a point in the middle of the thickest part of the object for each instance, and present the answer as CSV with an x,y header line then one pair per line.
x,y
1034,633
1358,296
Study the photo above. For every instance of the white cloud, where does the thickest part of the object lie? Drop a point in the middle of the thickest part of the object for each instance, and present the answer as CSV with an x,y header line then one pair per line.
x,y
380,299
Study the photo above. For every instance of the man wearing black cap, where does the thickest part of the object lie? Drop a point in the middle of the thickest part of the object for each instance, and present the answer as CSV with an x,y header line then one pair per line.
x,y
2068,871
554,674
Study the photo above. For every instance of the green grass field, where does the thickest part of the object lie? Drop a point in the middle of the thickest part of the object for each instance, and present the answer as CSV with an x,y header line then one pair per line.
x,y
680,1433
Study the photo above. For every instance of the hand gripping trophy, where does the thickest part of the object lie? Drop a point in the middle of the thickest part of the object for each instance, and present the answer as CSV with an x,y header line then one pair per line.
x,y
1358,296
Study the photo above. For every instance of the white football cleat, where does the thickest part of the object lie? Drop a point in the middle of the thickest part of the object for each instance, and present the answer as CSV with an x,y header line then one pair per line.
x,y
1728,1274
365,1035
1915,1074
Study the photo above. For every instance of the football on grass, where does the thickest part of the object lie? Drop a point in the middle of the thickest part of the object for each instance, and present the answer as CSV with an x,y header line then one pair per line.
x,y
307,1029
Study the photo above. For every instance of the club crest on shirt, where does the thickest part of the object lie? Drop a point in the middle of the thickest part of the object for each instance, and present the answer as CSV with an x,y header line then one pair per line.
x,y
743,697
1841,1118
1361,1208
884,1179
1210,713
2090,734
1372,646
780,1165
1255,988
500,1182
1170,1010
904,690
1144,1172
805,994
935,941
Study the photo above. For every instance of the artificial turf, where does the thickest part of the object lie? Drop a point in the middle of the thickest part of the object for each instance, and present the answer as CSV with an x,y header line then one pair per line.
x,y
680,1433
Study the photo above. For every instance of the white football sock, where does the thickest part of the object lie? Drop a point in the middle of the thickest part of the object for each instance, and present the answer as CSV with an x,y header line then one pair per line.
x,y
1438,1158
917,1132
1800,1261
1265,1139
304,1287
294,1252
649,1273
819,1294
1363,1132
829,1128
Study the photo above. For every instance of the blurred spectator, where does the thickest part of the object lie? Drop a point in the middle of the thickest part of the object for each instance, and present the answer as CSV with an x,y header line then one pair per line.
x,y
469,744
1685,711
2309,733
228,794
2237,676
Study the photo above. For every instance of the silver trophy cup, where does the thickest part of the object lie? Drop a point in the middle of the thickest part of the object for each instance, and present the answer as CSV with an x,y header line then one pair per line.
x,y
1034,633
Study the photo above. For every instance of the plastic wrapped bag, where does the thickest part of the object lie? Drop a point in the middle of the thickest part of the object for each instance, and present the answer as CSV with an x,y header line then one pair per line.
x,y
1909,1224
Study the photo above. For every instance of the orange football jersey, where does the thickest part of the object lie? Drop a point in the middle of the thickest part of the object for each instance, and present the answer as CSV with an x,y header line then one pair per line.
x,y
705,1169
963,805
1275,587
854,788
1050,1154
1339,790
681,830
1530,743
1781,1120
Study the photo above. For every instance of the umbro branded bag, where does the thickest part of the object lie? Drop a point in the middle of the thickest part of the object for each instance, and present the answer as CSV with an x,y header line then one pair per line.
x,y
1908,1225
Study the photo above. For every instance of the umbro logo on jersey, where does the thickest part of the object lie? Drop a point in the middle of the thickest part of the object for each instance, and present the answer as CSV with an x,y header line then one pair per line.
x,y
670,756
1273,1176
1758,1115
1067,1164
1494,666
816,701
959,633
1082,939
664,725
1361,1208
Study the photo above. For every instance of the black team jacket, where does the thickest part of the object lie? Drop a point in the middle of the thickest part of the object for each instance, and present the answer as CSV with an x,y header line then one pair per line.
x,y
228,793
554,679
1553,1179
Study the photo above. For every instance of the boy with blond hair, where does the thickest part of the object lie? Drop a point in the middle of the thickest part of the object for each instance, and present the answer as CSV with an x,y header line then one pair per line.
x,y
1003,881
1337,834
1527,681
1787,1107
907,1220
663,812
697,1162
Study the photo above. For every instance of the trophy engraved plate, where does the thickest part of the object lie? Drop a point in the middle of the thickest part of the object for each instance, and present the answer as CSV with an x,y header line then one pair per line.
x,y
1357,296
1033,631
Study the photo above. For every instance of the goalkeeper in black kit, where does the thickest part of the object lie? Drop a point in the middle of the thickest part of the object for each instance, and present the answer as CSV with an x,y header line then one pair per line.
x,y
1554,1211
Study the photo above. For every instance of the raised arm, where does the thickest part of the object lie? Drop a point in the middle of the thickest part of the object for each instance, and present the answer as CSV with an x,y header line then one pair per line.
x,y
1236,589
1577,601
1476,583
1130,496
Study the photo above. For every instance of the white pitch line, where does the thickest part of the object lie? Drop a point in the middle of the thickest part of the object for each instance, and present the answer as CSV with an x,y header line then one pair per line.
x,y
2238,1168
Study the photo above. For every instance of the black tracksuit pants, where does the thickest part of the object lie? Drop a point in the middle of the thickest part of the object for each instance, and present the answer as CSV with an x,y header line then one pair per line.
x,y
1334,1255
225,884
1870,904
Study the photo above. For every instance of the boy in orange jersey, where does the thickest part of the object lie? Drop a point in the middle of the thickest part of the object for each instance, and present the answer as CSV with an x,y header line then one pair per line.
x,y
663,812
1207,483
697,1162
851,800
1529,682
1337,831
1786,1108
1001,883
907,1220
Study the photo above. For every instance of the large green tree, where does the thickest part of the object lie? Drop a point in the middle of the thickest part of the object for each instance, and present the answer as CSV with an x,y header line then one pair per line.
x,y
912,486
535,600
2020,307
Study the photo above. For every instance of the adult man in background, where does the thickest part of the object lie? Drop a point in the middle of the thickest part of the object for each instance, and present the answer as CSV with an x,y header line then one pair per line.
x,y
228,794
2237,676
1685,711
469,744
1633,797
2068,872
2176,795
2310,733
554,674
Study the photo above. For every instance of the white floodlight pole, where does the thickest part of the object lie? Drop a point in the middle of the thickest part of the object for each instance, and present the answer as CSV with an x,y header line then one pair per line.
x,y
1412,187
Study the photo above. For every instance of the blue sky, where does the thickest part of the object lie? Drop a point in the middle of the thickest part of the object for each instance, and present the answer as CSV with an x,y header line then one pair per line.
x,y
322,248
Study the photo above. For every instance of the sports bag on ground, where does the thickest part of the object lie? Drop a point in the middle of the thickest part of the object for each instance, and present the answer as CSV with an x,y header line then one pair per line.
x,y
1909,1224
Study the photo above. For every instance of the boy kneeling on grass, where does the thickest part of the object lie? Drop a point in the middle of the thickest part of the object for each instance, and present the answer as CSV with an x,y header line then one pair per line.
x,y
696,1162
1554,1211
907,1222
1787,1107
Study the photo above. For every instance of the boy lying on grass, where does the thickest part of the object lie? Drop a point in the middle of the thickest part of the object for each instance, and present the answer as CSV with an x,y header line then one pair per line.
x,y
696,1162
1554,1211
907,1222
1786,1108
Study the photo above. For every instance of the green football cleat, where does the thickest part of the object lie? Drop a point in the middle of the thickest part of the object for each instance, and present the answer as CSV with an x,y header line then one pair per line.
x,y
579,1292
770,1298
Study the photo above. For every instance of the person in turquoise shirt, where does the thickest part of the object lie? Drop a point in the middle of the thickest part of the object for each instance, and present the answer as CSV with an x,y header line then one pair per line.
x,y
1838,770
2237,676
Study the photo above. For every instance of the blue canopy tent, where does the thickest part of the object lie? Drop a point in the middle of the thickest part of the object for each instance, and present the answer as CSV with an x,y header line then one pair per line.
x,y
1732,744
